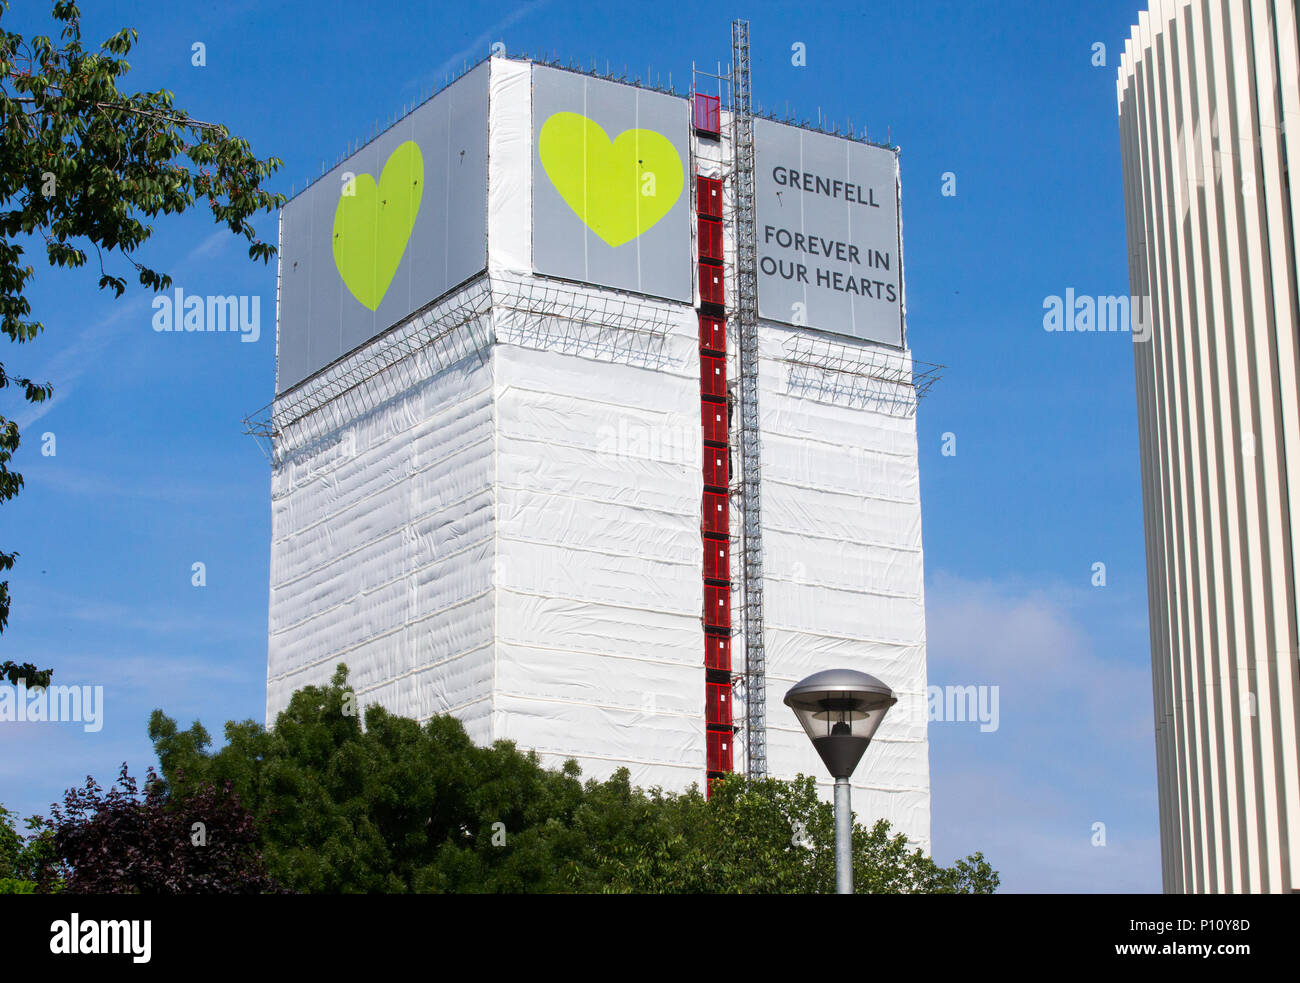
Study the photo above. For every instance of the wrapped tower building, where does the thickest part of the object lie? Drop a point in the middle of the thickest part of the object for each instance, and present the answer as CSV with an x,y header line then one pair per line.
x,y
508,441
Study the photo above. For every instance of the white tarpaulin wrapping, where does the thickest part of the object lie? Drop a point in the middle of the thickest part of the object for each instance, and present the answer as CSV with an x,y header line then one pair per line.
x,y
510,147
843,578
381,554
515,540
600,649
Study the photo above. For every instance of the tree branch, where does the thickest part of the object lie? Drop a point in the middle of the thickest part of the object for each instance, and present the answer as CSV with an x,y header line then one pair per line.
x,y
183,120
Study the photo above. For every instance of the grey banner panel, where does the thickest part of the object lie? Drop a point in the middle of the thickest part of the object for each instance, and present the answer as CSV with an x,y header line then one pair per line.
x,y
412,227
826,212
610,201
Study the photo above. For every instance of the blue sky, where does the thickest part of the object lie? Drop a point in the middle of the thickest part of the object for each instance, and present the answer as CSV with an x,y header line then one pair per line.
x,y
152,471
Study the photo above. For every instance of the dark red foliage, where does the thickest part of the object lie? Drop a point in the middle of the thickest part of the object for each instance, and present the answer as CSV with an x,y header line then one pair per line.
x,y
126,842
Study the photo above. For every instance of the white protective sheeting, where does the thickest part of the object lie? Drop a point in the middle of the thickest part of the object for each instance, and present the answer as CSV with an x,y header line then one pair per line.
x,y
514,540
381,554
599,593
510,147
843,576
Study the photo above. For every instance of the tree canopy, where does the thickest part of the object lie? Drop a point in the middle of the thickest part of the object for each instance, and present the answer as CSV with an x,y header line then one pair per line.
x,y
321,804
396,806
133,841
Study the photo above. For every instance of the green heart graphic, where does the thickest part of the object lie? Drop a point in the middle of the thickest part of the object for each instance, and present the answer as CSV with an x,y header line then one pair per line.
x,y
373,224
619,188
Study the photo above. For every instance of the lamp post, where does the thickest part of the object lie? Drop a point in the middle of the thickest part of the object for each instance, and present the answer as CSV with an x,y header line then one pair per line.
x,y
840,710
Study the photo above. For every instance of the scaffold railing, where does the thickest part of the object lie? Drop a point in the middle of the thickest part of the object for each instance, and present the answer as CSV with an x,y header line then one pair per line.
x,y
531,312
860,376
536,313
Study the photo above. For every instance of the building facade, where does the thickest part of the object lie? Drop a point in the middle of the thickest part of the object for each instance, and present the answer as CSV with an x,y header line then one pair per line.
x,y
507,455
1209,116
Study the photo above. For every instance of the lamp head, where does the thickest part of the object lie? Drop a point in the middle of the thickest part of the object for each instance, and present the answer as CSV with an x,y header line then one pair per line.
x,y
840,710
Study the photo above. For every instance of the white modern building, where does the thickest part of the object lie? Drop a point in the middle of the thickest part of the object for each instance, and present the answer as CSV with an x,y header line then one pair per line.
x,y
1209,116
509,448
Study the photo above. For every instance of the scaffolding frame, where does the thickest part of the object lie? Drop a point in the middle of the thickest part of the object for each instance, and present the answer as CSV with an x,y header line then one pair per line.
x,y
859,376
438,335
751,453
533,312
545,314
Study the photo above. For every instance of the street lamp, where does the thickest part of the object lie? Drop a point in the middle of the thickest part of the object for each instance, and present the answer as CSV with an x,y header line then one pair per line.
x,y
840,709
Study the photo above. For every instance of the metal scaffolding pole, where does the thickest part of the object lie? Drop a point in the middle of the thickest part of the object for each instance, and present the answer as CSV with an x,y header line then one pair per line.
x,y
742,137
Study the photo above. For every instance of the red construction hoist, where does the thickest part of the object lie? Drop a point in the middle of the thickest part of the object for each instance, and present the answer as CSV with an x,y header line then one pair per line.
x,y
715,527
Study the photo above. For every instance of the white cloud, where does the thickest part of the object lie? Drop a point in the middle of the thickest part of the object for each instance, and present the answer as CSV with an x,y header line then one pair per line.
x,y
75,358
87,484
85,351
477,48
1075,745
